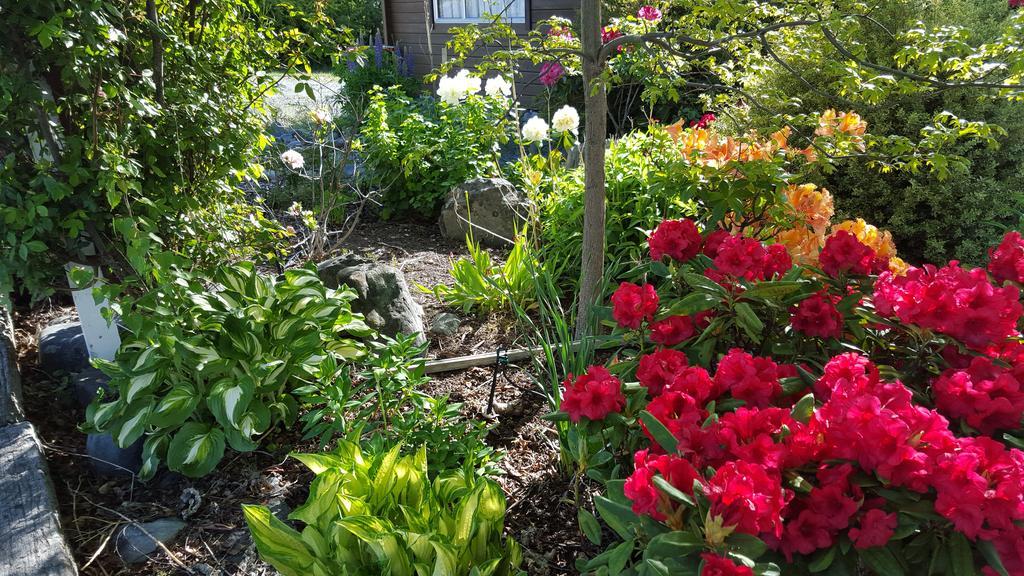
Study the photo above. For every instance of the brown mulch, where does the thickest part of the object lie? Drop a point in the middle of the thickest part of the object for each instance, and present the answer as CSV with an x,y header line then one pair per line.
x,y
541,515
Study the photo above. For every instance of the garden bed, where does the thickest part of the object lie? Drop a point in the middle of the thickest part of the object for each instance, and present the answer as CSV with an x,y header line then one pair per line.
x,y
216,540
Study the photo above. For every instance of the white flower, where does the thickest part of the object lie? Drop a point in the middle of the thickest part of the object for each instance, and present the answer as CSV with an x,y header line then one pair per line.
x,y
320,115
471,84
293,159
535,130
497,87
449,91
454,89
565,119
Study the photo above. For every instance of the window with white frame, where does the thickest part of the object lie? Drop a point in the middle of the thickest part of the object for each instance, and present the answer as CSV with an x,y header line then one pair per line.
x,y
473,11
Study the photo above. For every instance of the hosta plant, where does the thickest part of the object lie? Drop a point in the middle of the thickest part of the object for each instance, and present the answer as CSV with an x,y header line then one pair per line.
x,y
202,367
379,513
851,415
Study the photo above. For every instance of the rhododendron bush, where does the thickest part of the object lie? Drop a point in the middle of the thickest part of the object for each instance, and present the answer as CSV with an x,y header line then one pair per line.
x,y
807,404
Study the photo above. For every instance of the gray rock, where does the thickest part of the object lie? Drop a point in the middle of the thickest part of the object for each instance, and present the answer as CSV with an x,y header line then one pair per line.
x,y
496,209
279,507
62,348
31,542
107,459
136,542
383,294
445,324
11,410
87,382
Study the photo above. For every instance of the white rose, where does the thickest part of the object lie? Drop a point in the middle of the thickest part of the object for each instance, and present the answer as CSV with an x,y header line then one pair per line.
x,y
293,159
535,130
497,87
565,119
449,90
320,116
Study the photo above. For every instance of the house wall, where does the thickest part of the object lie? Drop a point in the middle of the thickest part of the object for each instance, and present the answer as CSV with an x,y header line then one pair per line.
x,y
410,25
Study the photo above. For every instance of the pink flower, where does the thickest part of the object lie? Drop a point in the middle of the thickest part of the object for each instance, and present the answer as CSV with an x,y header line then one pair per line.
x,y
609,33
876,528
632,304
678,239
649,13
551,73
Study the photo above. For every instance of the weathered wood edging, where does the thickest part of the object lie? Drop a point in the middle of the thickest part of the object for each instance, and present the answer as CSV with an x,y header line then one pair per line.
x,y
31,541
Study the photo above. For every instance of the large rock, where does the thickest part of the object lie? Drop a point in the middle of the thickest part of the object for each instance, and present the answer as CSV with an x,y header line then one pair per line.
x,y
11,410
496,209
109,459
136,542
31,543
62,348
383,294
86,384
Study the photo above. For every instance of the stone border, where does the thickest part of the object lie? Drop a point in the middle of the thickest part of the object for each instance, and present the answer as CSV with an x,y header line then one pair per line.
x,y
31,541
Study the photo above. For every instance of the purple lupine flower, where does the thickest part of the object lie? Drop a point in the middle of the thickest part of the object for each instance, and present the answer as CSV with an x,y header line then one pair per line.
x,y
378,51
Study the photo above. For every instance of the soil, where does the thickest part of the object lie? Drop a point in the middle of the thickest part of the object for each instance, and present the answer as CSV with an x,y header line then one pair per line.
x,y
541,515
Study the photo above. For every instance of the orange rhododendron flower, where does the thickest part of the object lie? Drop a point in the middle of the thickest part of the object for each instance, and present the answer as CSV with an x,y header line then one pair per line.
x,y
851,123
878,240
827,123
803,245
813,204
897,266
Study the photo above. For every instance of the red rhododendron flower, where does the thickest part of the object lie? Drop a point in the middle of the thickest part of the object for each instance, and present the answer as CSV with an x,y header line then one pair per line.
x,y
678,239
987,396
681,414
844,253
876,528
649,13
658,368
1016,3
740,257
715,565
806,533
753,380
695,382
746,496
676,329
632,304
958,302
594,395
639,487
777,262
748,434
1006,261
713,242
817,316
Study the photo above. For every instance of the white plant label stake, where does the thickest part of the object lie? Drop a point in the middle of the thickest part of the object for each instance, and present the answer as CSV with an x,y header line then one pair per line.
x,y
101,337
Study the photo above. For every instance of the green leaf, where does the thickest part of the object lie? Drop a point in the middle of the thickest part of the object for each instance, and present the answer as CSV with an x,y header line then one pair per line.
x,y
746,544
134,424
692,303
991,555
664,437
705,284
961,558
748,320
803,409
822,559
675,544
881,560
278,544
196,449
589,525
672,491
777,290
618,517
175,407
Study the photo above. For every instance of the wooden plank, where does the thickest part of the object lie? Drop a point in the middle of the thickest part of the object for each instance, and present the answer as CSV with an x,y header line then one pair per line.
x,y
31,543
486,359
11,410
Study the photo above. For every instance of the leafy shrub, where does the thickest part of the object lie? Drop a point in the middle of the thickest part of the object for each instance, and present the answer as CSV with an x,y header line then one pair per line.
x,y
418,150
932,218
205,367
379,513
479,285
847,416
384,404
373,66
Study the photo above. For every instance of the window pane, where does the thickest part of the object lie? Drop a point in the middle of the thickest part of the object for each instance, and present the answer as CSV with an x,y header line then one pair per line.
x,y
473,8
449,8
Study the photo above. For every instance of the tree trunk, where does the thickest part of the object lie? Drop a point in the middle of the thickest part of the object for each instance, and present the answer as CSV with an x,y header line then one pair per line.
x,y
596,117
